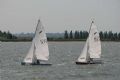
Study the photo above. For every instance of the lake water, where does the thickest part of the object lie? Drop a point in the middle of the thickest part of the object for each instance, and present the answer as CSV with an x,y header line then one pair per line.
x,y
63,56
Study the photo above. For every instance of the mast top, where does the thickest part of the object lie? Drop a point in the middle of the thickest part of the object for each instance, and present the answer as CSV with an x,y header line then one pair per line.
x,y
38,20
92,21
91,24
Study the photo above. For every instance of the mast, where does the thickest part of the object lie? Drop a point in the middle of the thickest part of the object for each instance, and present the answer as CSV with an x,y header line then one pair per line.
x,y
91,26
88,55
34,56
37,27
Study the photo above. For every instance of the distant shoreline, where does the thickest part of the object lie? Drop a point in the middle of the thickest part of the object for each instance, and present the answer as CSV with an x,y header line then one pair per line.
x,y
59,37
77,40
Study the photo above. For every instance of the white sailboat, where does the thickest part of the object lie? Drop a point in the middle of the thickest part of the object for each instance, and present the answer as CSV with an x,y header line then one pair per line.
x,y
38,52
91,52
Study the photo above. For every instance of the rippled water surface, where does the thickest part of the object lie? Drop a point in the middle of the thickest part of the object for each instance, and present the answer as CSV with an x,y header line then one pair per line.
x,y
63,56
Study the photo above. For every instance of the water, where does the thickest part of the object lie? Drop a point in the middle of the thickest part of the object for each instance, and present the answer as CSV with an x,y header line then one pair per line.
x,y
63,56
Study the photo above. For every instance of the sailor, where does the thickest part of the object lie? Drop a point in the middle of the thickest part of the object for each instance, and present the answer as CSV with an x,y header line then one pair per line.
x,y
38,62
91,60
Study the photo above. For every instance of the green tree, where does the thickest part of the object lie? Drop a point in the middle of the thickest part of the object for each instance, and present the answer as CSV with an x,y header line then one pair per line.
x,y
81,35
4,35
115,36
66,34
101,35
86,34
118,36
105,35
110,35
76,35
0,33
71,35
9,35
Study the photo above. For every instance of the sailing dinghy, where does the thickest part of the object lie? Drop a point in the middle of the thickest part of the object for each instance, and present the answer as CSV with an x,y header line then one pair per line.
x,y
38,53
91,53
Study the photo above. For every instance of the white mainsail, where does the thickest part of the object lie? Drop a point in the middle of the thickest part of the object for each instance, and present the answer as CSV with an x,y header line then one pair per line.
x,y
92,47
94,42
39,47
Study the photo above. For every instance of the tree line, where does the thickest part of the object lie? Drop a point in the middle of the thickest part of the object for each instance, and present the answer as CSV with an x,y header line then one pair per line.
x,y
68,36
82,35
6,35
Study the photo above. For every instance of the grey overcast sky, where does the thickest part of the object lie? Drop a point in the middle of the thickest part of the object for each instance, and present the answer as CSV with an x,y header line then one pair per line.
x,y
59,15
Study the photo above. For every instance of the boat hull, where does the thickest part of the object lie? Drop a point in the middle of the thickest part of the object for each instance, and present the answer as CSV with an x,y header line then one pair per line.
x,y
46,64
81,63
90,62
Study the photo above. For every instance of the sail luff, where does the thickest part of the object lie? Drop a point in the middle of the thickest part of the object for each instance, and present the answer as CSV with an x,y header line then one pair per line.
x,y
36,27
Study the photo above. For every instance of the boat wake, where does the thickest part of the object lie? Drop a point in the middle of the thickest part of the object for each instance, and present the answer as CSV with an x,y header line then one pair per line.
x,y
61,64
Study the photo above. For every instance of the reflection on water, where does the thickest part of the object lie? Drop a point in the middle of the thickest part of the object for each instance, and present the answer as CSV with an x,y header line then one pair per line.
x,y
63,56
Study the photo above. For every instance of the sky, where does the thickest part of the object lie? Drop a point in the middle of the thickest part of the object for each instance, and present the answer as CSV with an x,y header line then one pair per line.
x,y
59,15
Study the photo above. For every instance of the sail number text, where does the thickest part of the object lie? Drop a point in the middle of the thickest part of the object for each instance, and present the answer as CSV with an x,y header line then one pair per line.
x,y
42,41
